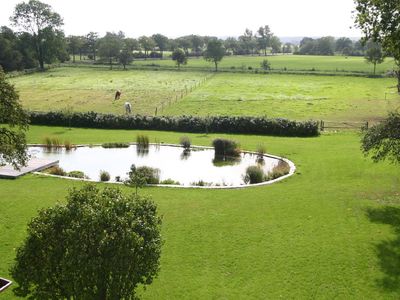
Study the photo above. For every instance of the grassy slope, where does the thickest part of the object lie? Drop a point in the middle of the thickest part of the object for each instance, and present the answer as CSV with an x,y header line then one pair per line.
x,y
307,237
88,89
291,96
279,62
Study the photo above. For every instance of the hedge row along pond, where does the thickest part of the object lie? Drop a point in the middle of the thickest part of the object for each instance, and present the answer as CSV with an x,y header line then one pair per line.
x,y
215,124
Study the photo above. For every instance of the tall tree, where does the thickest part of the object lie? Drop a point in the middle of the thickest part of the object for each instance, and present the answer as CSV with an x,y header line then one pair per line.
x,y
110,46
379,20
161,42
36,17
197,44
374,54
101,245
185,43
13,124
73,43
91,43
343,45
147,43
263,39
248,41
276,44
215,52
125,56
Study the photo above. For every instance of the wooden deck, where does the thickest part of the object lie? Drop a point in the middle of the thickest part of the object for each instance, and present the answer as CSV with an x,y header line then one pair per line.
x,y
35,164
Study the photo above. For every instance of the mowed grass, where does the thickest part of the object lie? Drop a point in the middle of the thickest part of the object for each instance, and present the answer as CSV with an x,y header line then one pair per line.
x,y
291,96
339,64
329,231
88,89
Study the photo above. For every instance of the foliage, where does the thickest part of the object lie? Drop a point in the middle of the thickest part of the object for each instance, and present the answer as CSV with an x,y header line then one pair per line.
x,y
185,142
215,52
104,175
115,145
56,170
254,174
374,54
110,46
383,140
281,169
13,124
68,145
77,174
140,176
249,125
39,20
379,21
100,245
125,57
265,65
225,147
179,57
142,141
322,46
169,181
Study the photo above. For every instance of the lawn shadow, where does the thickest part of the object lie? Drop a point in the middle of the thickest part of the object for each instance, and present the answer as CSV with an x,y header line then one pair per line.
x,y
388,251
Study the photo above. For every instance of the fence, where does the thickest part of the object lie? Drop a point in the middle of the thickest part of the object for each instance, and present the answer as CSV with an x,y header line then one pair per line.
x,y
343,125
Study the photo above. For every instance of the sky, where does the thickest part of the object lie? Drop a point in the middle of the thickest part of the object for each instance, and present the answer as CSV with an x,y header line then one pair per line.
x,y
222,18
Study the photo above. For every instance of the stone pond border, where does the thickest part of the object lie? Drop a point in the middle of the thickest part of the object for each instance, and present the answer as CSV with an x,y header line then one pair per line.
x,y
290,163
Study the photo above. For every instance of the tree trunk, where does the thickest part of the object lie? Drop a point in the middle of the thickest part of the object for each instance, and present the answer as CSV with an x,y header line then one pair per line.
x,y
216,66
110,63
94,55
374,68
398,81
73,56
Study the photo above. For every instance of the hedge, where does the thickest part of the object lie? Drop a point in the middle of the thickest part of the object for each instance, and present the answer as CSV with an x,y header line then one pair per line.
x,y
215,124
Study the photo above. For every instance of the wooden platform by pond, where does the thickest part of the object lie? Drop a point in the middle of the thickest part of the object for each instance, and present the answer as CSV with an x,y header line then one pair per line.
x,y
34,165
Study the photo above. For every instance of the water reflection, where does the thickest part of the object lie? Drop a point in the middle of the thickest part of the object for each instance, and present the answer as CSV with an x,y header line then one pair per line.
x,y
185,154
223,160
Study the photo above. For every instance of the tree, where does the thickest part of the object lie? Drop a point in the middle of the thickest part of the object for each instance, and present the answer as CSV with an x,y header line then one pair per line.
x,y
161,42
147,43
231,44
197,44
265,65
374,54
36,17
91,43
383,139
275,44
380,22
343,45
215,52
13,124
185,43
125,56
263,39
100,245
110,46
179,57
73,42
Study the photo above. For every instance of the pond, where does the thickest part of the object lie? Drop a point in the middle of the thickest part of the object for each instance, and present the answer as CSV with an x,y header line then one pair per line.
x,y
187,168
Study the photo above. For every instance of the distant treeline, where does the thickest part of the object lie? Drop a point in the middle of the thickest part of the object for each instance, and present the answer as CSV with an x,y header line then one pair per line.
x,y
18,52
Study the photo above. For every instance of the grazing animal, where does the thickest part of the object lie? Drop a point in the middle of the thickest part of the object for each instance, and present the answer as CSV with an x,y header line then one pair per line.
x,y
128,108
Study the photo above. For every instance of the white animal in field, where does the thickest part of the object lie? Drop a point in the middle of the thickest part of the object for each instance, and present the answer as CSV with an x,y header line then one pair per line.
x,y
128,108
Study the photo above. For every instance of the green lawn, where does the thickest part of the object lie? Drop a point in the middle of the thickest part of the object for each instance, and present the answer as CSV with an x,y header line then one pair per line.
x,y
291,96
329,231
286,96
340,64
88,89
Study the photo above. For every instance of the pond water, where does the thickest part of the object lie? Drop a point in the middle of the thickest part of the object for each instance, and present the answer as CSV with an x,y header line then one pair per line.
x,y
173,162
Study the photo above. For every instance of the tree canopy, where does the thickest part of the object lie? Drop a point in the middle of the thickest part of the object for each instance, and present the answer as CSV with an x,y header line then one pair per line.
x,y
215,52
13,123
39,20
179,57
100,245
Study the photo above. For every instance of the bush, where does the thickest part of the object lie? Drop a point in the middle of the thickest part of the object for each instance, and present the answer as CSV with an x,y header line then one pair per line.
x,y
77,174
115,145
185,142
216,124
149,175
68,145
254,174
104,176
225,147
56,170
281,169
170,181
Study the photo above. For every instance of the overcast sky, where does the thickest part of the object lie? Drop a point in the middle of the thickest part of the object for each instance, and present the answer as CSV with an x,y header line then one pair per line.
x,y
206,17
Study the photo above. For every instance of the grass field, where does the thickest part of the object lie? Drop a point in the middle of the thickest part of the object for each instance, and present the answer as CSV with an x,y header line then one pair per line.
x,y
87,89
291,96
329,231
340,64
275,95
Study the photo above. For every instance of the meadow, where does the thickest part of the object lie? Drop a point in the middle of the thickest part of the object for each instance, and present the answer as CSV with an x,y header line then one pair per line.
x,y
329,64
297,97
329,231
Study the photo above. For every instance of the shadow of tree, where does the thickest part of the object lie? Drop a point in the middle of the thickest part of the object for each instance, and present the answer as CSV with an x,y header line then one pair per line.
x,y
388,251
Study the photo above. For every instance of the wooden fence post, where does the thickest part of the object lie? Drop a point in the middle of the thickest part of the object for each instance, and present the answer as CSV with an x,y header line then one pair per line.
x,y
156,111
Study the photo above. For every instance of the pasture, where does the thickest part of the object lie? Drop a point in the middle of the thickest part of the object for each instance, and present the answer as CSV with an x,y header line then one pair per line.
x,y
309,63
327,232
274,95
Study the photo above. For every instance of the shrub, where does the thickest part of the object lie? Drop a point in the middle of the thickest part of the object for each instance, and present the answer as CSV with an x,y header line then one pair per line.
x,y
104,176
115,145
185,142
68,145
222,124
56,170
170,181
200,183
77,174
254,174
281,169
226,147
142,140
265,65
150,175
